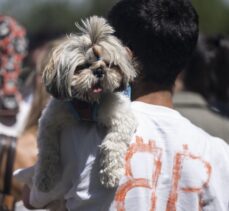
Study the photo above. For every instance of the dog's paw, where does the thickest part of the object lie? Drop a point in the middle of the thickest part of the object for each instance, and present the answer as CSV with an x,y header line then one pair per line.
x,y
110,178
111,163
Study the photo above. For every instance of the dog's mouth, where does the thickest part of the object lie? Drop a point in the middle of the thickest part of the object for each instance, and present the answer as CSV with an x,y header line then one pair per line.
x,y
97,88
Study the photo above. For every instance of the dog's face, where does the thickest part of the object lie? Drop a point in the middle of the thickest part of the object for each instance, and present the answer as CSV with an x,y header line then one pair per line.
x,y
96,75
86,66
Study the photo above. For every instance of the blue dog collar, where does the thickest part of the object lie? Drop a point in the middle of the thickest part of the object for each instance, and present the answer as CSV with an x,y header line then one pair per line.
x,y
92,108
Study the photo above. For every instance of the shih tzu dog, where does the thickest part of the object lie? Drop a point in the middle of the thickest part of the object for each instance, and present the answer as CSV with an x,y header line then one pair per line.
x,y
92,67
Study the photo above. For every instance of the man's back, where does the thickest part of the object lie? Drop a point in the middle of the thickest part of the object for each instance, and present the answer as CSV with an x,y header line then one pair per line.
x,y
173,165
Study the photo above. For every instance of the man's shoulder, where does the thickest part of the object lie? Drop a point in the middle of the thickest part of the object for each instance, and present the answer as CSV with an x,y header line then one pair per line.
x,y
208,146
201,132
171,124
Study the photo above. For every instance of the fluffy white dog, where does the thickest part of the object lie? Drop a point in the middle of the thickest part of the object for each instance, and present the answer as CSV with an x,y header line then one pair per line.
x,y
89,68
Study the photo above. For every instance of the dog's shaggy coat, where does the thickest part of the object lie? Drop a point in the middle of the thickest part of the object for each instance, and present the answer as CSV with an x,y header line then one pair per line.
x,y
91,67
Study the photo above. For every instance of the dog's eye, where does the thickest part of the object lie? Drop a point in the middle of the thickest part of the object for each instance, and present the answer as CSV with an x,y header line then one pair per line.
x,y
110,65
82,67
107,63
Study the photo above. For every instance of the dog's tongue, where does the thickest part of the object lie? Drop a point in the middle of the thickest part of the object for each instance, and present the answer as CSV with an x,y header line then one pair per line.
x,y
97,90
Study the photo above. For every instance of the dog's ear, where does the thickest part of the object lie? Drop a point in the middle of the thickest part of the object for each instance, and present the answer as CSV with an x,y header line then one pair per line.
x,y
129,53
50,76
128,69
56,71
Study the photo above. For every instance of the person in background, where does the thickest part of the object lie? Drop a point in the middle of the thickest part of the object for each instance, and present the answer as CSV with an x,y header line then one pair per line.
x,y
202,89
13,49
219,90
13,107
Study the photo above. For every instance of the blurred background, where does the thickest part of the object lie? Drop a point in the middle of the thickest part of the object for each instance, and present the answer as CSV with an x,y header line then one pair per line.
x,y
48,19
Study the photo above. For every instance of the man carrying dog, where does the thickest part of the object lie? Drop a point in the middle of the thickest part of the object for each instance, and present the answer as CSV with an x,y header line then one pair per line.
x,y
170,164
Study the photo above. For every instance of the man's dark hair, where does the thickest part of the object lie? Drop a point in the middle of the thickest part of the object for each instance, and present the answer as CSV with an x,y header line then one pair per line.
x,y
161,33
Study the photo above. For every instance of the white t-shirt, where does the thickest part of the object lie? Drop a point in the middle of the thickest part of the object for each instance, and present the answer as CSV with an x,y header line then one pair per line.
x,y
171,165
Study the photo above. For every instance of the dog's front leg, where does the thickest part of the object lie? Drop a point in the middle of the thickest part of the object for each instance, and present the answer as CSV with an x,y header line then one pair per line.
x,y
115,113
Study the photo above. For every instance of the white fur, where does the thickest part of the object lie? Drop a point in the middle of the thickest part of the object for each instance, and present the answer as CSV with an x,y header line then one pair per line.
x,y
114,113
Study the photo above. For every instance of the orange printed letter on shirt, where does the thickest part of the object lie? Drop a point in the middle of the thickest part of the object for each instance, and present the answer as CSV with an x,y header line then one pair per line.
x,y
201,182
140,147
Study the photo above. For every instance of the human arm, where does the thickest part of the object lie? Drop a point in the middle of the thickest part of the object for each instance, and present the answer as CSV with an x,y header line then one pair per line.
x,y
35,199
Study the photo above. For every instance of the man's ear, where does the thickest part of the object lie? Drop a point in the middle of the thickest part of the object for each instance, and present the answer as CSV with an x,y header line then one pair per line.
x,y
129,52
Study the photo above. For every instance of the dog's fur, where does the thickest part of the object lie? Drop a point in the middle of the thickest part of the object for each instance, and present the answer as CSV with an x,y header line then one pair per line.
x,y
91,67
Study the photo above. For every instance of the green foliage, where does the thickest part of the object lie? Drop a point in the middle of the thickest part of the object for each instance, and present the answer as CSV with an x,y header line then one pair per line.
x,y
47,19
214,16
101,7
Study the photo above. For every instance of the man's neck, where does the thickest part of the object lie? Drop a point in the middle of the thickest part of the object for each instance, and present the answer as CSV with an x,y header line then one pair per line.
x,y
156,97
161,98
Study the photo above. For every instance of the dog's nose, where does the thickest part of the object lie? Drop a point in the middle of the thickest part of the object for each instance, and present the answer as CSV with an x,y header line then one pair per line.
x,y
99,72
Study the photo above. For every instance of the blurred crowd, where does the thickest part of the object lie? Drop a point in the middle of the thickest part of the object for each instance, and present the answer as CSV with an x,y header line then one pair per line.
x,y
202,89
201,94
